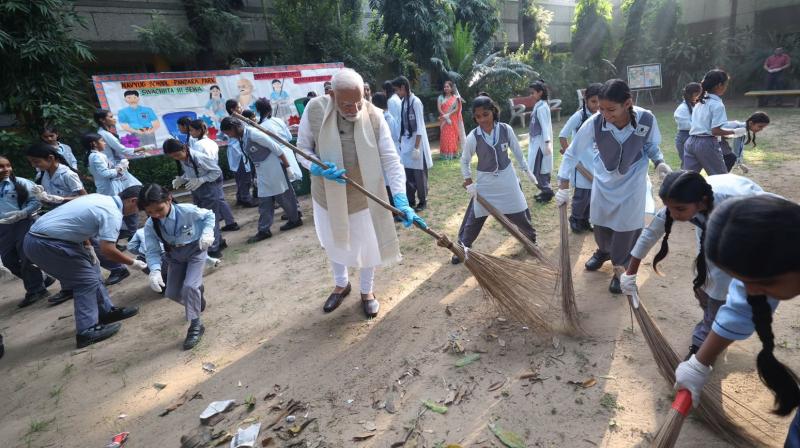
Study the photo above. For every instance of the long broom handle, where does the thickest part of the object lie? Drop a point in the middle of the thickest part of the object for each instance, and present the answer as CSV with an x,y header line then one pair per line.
x,y
349,181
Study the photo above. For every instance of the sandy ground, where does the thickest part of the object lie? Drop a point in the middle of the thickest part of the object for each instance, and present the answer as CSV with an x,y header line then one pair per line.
x,y
268,338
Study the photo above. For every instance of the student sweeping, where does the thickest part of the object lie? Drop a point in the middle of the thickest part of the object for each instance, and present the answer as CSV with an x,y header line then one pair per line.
x,y
203,177
581,197
702,150
202,143
733,152
683,115
756,241
17,206
56,183
497,180
185,232
689,197
622,138
540,146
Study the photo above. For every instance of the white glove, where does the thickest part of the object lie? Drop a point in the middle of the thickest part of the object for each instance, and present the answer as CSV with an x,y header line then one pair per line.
x,y
739,132
139,264
416,154
92,255
663,169
206,240
37,190
43,196
548,148
12,217
156,282
628,284
531,177
124,164
194,184
213,262
472,189
562,197
692,375
178,182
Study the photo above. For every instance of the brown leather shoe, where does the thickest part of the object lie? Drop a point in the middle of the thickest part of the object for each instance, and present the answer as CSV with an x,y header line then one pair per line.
x,y
335,299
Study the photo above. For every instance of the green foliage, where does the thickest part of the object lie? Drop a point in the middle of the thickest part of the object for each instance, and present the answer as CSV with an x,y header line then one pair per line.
x,y
564,76
482,17
424,24
591,31
167,39
539,18
629,53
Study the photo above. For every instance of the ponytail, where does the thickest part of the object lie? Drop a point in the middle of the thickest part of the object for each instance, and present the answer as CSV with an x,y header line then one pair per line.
x,y
22,191
664,251
690,90
781,380
711,80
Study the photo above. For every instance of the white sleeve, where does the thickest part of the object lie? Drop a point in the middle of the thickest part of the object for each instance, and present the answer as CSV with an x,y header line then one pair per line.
x,y
305,141
390,160
516,150
571,125
545,121
650,235
583,141
420,117
466,155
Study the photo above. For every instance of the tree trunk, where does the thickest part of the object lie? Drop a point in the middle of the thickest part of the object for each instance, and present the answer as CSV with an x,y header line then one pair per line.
x,y
204,57
732,25
633,35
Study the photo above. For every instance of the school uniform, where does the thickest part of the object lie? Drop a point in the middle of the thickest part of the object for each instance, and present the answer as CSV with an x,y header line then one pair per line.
x,y
209,195
12,236
110,182
56,244
395,104
272,178
733,147
702,150
412,124
69,156
683,119
242,171
63,182
724,186
581,197
496,181
540,132
176,238
619,162
394,130
211,149
116,150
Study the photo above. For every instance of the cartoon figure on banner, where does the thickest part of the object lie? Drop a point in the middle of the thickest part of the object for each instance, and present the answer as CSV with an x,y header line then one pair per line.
x,y
139,120
216,105
282,106
245,98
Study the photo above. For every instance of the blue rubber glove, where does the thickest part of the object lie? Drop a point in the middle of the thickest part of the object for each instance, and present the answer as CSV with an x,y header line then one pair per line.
x,y
410,217
331,173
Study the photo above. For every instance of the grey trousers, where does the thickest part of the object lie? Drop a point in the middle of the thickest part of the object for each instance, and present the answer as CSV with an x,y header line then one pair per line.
x,y
680,142
72,265
581,200
226,212
266,209
244,181
616,244
471,226
185,277
710,306
703,153
417,185
542,180
210,196
105,263
12,237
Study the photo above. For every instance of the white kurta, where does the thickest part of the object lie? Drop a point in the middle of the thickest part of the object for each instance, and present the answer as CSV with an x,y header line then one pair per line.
x,y
207,146
541,113
407,142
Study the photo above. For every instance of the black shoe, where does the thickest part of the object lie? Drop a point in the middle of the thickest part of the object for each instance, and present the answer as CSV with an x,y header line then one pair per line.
x,y
223,244
247,204
193,335
335,299
230,228
2,347
692,350
59,298
292,224
422,206
96,334
587,226
614,287
48,281
370,307
597,260
545,197
576,225
286,218
455,260
215,253
32,297
260,236
117,276
118,314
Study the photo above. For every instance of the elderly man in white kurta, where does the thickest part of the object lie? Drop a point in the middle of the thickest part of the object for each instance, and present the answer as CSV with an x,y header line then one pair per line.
x,y
351,136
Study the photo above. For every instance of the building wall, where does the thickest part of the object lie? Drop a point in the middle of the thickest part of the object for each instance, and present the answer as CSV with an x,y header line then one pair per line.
x,y
782,16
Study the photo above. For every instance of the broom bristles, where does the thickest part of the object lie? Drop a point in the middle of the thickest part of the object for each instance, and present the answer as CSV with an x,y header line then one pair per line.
x,y
569,308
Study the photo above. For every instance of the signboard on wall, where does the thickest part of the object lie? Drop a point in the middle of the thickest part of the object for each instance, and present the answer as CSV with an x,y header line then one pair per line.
x,y
148,105
644,76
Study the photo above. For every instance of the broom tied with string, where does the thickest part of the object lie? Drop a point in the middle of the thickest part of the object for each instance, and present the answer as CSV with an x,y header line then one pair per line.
x,y
667,435
509,284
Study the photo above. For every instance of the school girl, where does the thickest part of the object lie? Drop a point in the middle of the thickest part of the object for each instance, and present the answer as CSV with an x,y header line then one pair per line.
x,y
202,143
582,176
754,239
380,101
240,164
622,138
689,197
136,246
107,123
540,146
497,180
49,135
702,149
56,183
271,166
58,243
17,206
203,177
744,133
415,150
185,232
683,115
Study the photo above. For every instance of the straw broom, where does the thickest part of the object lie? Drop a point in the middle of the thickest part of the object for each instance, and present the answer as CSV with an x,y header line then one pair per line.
x,y
710,408
568,306
509,284
667,435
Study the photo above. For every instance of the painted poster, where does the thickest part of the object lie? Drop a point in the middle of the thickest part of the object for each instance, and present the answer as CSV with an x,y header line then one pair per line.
x,y
148,105
645,76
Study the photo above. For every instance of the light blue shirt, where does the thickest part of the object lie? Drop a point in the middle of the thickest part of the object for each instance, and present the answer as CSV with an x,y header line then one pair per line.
x,y
708,115
234,154
683,117
136,243
8,197
66,152
83,218
269,171
734,320
116,150
106,178
208,169
63,182
140,118
394,126
585,157
184,224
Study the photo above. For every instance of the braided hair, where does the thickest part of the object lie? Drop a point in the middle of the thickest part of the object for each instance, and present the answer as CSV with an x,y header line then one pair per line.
x,y
402,81
19,187
593,90
770,226
686,187
689,91
173,145
617,90
711,80
87,143
756,118
42,150
264,109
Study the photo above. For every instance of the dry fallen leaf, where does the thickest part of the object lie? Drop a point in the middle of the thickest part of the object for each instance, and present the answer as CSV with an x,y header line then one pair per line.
x,y
363,437
497,385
